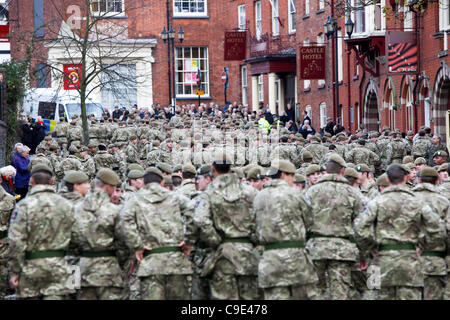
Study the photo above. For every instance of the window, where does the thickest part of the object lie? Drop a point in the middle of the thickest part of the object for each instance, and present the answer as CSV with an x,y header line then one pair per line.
x,y
244,85
41,75
241,17
323,114
189,62
47,110
190,7
321,42
260,88
352,117
427,111
359,17
275,21
321,4
392,111
106,7
292,13
409,109
119,86
306,7
38,18
258,19
61,112
407,19
308,110
340,62
444,15
306,83
277,91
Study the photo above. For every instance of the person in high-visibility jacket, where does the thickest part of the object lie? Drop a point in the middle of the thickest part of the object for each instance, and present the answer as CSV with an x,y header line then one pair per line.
x,y
264,125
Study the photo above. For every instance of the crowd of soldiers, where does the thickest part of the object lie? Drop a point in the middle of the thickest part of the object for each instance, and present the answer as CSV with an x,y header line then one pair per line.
x,y
205,208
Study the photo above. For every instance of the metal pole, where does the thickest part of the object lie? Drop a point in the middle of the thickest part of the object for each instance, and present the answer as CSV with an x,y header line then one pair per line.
x,y
337,75
173,74
168,53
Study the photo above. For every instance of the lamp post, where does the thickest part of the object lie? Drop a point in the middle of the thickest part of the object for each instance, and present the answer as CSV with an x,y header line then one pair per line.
x,y
331,29
169,37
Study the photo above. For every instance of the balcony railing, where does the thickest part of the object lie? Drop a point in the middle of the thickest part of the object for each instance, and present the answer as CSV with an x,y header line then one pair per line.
x,y
268,44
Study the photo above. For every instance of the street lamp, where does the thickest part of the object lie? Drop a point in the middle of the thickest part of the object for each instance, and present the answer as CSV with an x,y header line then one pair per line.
x,y
349,25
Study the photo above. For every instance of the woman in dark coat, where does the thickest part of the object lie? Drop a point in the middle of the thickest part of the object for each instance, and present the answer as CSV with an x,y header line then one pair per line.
x,y
27,133
22,179
39,132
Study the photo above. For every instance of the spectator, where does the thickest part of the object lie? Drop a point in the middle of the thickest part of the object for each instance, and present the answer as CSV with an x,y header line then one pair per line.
x,y
124,114
27,130
22,175
330,126
291,126
305,117
284,118
306,129
116,113
38,133
290,112
268,116
7,179
15,151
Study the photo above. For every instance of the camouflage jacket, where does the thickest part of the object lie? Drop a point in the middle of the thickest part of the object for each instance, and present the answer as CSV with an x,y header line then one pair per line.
x,y
60,130
280,216
362,155
120,135
42,221
96,230
153,218
187,188
317,150
72,197
444,189
39,159
74,133
420,147
395,151
398,217
285,151
132,154
429,194
332,217
89,166
69,163
7,203
104,159
263,155
223,211
372,146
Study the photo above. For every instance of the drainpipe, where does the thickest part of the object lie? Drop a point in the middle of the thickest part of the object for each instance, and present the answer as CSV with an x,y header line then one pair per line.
x,y
349,90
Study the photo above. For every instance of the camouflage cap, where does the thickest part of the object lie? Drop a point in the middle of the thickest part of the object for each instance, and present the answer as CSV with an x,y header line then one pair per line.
x,y
327,134
307,155
164,167
407,159
398,166
136,174
61,119
238,171
135,166
440,153
175,175
299,178
205,169
428,172
338,159
312,169
386,128
420,160
75,177
351,165
41,167
382,180
108,176
362,168
188,168
155,171
443,167
350,172
256,173
342,138
156,143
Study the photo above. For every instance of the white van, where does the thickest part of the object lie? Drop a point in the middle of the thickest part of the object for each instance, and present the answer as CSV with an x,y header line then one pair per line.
x,y
51,104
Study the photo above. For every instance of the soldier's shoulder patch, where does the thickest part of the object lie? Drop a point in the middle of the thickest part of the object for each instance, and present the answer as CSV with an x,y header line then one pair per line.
x,y
197,203
14,215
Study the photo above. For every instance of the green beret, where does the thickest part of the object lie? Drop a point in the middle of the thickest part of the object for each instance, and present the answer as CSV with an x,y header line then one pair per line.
x,y
399,166
76,177
410,165
155,171
428,172
350,172
407,159
164,167
420,160
338,159
41,167
136,174
133,137
178,167
167,180
307,155
135,166
256,173
299,178
188,168
108,176
382,180
205,169
440,153
283,166
386,128
363,168
312,169
238,171
443,167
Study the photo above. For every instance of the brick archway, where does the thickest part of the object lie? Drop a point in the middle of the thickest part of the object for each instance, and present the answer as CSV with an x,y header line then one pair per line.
x,y
441,92
371,118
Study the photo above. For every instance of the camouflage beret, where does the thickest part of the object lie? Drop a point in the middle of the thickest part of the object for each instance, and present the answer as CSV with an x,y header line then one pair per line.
x,y
108,176
155,171
382,180
362,168
283,166
133,137
399,166
188,168
350,172
73,149
135,166
410,165
338,159
307,155
299,178
238,171
41,167
256,173
205,169
440,153
75,177
443,167
136,174
407,159
47,138
428,172
164,167
312,169
420,160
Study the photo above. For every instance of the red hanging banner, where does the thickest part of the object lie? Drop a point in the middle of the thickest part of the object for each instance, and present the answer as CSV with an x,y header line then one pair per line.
x,y
312,62
235,45
72,76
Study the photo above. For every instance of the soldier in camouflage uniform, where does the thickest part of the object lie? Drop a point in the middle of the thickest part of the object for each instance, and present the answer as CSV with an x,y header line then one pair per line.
x,y
37,266
7,203
60,131
316,149
96,236
390,228
420,146
39,158
121,135
382,145
74,134
331,237
396,149
76,186
226,222
70,163
361,155
285,270
151,224
433,260
104,159
88,163
187,187
132,152
436,145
